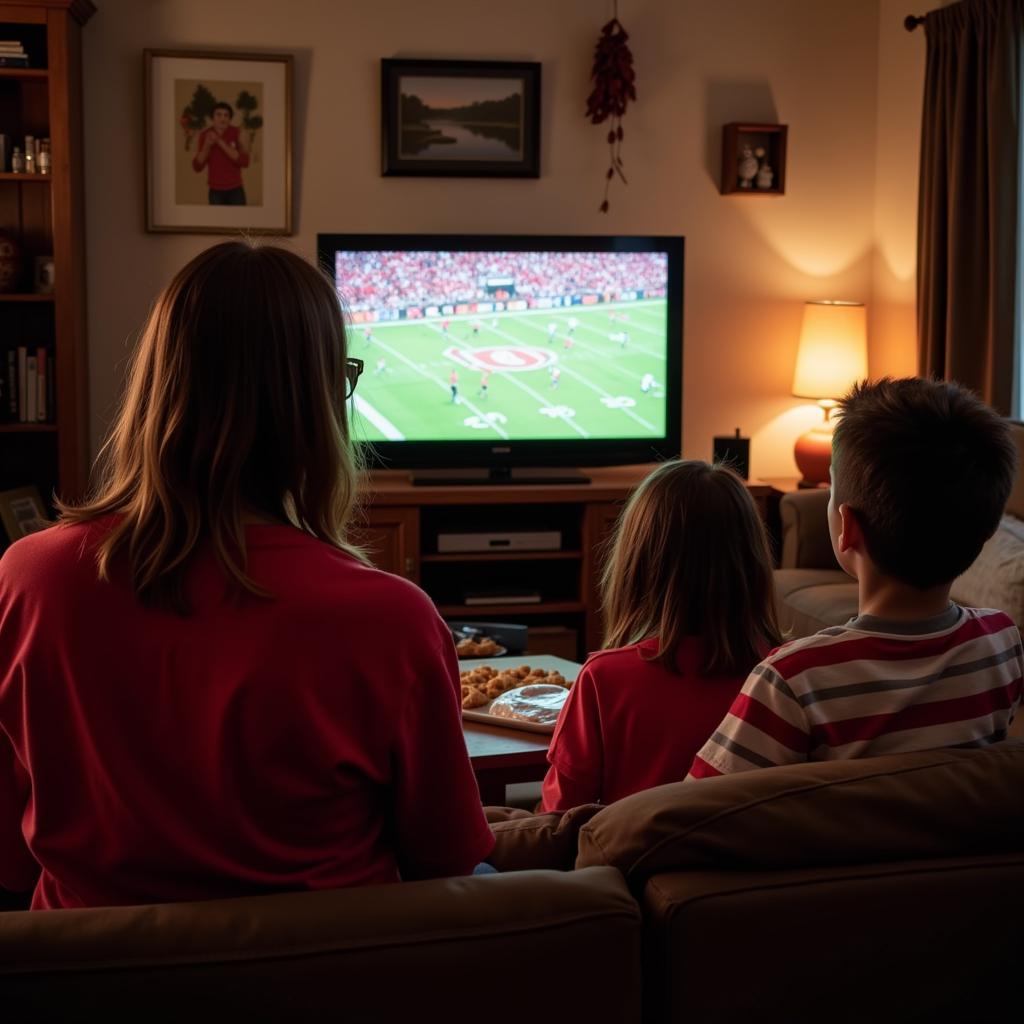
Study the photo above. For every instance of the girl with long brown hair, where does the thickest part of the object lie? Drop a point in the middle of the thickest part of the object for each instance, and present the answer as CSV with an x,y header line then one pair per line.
x,y
688,607
204,689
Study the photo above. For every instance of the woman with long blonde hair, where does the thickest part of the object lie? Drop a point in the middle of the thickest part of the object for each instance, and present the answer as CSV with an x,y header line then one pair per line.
x,y
205,691
688,608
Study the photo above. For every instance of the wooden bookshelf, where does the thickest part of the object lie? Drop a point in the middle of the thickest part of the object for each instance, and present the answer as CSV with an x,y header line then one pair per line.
x,y
44,213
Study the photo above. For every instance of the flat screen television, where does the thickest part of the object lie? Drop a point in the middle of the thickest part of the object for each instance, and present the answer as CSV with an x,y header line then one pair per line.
x,y
512,357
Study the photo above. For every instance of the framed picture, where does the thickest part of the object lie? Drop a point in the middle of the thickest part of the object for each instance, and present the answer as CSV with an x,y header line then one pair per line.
x,y
22,513
218,142
460,118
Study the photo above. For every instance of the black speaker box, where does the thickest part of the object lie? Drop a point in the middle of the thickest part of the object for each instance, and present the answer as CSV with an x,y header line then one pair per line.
x,y
734,452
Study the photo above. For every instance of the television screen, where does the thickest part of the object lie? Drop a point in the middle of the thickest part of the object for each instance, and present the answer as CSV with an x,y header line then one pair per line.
x,y
517,349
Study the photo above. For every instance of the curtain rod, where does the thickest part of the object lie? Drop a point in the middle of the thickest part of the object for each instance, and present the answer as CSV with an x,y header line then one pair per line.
x,y
911,21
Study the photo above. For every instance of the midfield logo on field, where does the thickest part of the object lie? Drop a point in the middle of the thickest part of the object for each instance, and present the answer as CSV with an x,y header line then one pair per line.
x,y
618,401
557,412
505,358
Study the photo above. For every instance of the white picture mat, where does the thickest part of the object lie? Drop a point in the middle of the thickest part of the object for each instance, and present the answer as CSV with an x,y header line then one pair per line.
x,y
164,138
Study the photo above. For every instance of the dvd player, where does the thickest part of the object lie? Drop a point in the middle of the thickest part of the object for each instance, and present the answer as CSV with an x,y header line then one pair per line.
x,y
512,540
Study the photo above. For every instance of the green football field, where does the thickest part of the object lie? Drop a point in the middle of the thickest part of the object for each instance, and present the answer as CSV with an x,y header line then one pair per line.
x,y
604,380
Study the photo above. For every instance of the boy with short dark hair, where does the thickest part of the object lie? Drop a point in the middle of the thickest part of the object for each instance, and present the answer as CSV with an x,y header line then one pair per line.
x,y
921,472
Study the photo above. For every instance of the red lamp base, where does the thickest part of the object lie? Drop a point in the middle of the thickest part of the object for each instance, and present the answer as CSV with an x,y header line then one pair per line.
x,y
813,454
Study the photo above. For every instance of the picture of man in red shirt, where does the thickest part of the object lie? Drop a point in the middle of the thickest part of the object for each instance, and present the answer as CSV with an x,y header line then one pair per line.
x,y
223,151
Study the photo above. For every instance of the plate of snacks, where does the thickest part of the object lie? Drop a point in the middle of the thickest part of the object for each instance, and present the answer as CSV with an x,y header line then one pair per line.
x,y
519,697
477,647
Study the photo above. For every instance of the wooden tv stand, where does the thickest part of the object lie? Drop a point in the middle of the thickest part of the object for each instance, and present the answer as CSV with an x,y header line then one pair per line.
x,y
400,522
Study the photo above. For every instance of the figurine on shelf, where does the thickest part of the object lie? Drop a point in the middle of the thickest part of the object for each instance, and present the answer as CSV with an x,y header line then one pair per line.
x,y
765,176
747,167
17,161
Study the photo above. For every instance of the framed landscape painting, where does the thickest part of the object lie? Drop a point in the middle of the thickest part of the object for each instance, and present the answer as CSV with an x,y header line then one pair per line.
x,y
218,142
457,118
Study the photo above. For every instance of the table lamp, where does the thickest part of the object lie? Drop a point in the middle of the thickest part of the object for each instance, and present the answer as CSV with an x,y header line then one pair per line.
x,y
833,355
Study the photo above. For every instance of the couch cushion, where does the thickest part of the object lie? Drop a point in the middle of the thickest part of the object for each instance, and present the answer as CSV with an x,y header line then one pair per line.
x,y
376,953
996,579
938,937
808,600
928,804
523,841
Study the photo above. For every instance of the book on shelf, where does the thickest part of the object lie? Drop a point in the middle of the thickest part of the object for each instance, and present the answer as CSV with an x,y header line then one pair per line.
x,y
26,386
31,388
12,60
41,376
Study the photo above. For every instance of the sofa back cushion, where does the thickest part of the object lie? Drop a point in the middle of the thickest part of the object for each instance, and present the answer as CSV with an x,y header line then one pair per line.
x,y
929,804
996,577
380,953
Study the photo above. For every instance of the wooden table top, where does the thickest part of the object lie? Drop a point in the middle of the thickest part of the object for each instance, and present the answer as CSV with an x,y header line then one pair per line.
x,y
499,746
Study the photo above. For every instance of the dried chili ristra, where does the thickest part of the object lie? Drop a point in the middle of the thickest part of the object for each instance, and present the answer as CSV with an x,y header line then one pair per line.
x,y
614,87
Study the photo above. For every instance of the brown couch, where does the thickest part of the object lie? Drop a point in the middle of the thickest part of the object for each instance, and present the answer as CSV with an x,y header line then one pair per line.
x,y
885,889
812,592
510,949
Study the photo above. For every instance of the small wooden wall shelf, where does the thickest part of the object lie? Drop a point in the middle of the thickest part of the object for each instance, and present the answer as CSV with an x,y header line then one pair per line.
x,y
769,175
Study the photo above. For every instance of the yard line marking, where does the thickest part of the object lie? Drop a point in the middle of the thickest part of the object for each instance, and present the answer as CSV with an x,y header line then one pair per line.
x,y
378,419
606,394
603,357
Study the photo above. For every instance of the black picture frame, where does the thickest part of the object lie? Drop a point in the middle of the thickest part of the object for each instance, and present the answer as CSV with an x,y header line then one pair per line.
x,y
405,140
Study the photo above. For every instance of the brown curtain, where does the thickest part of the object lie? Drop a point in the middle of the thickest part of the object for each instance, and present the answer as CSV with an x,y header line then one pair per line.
x,y
968,266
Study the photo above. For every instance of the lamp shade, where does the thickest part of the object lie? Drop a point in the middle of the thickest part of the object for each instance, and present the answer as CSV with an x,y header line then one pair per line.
x,y
833,351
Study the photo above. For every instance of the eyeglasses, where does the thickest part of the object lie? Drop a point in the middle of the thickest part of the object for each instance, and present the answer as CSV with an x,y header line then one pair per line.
x,y
353,368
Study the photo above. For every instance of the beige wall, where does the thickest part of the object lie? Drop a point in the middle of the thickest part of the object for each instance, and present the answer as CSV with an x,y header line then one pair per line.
x,y
835,72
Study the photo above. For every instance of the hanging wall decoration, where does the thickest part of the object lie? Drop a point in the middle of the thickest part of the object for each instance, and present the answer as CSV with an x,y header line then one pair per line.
x,y
614,87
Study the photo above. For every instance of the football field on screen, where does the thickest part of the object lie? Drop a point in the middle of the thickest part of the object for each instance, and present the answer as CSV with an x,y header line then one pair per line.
x,y
605,379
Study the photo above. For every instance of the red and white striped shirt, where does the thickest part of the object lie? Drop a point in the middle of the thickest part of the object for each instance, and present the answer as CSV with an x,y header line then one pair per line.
x,y
874,687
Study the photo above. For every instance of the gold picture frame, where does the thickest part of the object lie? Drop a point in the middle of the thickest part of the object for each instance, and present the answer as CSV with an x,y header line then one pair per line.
x,y
218,141
22,512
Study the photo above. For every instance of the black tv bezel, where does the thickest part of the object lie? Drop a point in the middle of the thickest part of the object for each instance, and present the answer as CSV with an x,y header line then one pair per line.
x,y
541,453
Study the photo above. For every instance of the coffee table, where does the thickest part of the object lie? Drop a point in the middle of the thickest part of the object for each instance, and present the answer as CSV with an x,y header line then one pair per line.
x,y
502,755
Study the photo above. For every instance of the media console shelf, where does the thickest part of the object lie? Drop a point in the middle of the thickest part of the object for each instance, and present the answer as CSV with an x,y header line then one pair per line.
x,y
554,590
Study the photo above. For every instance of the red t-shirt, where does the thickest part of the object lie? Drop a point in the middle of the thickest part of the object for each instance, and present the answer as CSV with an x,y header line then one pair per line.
x,y
224,173
630,724
309,741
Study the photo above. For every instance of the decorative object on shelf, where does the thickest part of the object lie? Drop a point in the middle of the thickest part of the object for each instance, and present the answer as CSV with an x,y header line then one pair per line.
x,y
614,86
753,159
44,276
17,161
747,167
44,161
218,142
833,355
460,118
22,513
10,262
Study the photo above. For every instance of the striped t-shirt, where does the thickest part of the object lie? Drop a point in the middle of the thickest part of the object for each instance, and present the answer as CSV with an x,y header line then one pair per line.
x,y
874,687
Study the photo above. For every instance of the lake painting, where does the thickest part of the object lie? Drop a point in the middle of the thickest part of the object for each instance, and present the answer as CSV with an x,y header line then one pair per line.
x,y
463,118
